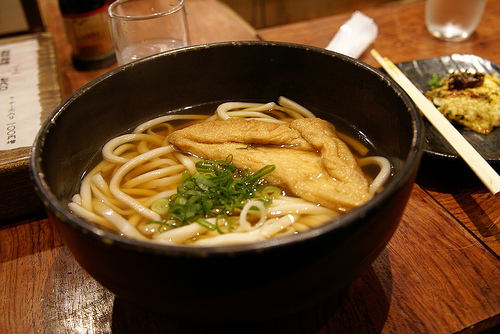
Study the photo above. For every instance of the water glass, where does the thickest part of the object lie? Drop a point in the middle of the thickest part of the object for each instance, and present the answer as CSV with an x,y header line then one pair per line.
x,y
453,20
142,28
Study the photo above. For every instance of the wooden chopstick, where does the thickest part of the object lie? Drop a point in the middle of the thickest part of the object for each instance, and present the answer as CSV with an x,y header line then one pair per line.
x,y
476,162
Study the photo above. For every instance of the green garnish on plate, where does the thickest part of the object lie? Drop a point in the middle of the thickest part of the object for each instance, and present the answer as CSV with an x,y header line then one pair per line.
x,y
435,82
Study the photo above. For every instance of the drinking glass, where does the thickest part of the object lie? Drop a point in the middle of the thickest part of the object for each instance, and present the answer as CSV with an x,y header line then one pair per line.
x,y
142,28
453,20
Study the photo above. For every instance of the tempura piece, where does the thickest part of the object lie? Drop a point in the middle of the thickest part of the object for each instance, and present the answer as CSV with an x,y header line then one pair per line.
x,y
311,161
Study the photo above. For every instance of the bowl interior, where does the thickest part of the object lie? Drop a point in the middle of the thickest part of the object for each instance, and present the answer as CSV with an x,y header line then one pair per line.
x,y
338,88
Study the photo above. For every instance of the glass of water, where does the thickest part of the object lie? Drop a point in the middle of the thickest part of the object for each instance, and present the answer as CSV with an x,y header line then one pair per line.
x,y
142,28
453,20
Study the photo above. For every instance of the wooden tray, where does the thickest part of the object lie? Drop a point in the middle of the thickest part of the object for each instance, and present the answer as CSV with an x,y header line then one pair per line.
x,y
17,196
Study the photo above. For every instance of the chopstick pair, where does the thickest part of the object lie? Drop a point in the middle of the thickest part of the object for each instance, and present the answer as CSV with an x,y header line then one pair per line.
x,y
476,162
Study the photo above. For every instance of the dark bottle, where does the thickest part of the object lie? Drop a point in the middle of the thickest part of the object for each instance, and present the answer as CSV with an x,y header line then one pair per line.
x,y
87,26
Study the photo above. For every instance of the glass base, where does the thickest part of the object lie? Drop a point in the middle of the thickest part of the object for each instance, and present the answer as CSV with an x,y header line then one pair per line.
x,y
449,37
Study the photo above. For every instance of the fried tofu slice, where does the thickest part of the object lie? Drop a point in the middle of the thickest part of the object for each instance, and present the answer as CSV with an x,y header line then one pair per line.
x,y
311,161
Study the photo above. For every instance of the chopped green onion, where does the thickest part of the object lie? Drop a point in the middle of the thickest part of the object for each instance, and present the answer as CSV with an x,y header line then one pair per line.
x,y
270,192
206,224
160,206
216,189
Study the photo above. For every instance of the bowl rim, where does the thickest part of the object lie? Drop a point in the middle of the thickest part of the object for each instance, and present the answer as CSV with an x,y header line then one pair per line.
x,y
61,212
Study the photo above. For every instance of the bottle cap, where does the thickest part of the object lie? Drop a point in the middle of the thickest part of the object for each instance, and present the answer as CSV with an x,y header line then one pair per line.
x,y
75,7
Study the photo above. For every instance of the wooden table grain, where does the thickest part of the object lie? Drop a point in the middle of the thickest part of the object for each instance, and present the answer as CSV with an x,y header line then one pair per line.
x,y
440,273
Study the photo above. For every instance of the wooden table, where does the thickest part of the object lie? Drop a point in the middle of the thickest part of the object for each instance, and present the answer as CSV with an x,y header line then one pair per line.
x,y
440,272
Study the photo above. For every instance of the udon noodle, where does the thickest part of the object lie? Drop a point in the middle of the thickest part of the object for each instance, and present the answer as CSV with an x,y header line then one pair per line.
x,y
141,169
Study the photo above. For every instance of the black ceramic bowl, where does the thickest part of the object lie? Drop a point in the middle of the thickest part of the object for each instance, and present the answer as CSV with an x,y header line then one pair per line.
x,y
250,282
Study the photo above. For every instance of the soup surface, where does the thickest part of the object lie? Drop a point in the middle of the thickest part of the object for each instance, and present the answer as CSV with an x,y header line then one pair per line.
x,y
246,173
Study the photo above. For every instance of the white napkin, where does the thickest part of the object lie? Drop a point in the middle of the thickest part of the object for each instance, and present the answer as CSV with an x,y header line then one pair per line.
x,y
354,36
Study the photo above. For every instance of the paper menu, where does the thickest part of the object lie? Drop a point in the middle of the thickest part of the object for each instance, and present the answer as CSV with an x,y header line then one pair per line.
x,y
20,106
